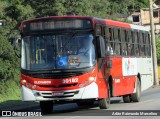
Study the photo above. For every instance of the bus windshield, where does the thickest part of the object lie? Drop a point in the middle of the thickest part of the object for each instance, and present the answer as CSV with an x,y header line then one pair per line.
x,y
57,51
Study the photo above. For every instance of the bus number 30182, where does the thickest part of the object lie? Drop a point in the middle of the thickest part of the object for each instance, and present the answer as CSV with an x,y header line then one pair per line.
x,y
71,80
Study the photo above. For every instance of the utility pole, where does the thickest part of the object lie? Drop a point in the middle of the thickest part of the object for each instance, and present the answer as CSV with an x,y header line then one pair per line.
x,y
155,68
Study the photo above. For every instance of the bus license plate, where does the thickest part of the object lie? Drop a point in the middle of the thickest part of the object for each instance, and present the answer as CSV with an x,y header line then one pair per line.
x,y
57,93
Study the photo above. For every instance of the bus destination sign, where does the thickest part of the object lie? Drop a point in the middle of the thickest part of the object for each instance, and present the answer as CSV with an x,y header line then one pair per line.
x,y
56,24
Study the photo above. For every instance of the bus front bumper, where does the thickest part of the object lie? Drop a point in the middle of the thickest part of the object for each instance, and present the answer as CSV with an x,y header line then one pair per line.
x,y
88,92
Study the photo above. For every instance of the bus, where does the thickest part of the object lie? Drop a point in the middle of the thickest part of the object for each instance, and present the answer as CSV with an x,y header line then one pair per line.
x,y
83,59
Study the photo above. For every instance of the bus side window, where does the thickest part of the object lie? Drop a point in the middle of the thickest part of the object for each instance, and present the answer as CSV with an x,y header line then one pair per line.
x,y
109,41
124,42
136,47
117,49
141,44
106,33
98,30
147,45
130,45
149,41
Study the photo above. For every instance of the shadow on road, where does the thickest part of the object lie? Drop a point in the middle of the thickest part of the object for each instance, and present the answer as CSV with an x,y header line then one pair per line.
x,y
73,109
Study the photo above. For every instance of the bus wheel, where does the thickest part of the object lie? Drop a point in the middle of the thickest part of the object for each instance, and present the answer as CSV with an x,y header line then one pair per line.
x,y
126,99
46,106
136,96
104,103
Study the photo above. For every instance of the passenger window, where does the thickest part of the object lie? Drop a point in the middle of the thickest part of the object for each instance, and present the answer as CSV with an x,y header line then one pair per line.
x,y
148,46
124,49
149,51
141,44
110,41
98,30
144,37
117,49
129,37
136,47
130,49
142,50
107,33
111,35
147,38
116,35
135,37
140,38
124,42
123,35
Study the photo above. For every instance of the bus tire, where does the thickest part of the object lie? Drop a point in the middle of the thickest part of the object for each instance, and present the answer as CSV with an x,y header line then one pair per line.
x,y
46,106
126,99
104,103
136,96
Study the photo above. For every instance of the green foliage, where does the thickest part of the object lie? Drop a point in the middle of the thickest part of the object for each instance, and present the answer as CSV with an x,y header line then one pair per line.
x,y
158,49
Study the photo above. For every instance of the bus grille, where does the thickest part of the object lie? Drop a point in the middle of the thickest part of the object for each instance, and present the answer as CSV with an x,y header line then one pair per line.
x,y
66,94
60,86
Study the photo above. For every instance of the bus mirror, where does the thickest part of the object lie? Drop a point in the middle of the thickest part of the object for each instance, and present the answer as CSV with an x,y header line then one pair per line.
x,y
100,46
17,44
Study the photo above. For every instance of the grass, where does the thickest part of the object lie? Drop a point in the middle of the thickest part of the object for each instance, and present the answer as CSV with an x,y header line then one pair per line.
x,y
10,95
9,90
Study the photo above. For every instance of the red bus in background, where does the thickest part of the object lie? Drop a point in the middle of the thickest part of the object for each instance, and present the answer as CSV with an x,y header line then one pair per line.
x,y
82,59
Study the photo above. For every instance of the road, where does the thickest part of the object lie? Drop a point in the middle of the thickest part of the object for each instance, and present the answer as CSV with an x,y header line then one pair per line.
x,y
150,100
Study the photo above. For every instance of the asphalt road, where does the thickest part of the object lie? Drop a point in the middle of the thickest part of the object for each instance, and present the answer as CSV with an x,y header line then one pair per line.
x,y
150,100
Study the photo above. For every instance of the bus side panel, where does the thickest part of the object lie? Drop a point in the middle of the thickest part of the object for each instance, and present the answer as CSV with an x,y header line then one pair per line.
x,y
116,73
127,85
102,84
145,68
122,85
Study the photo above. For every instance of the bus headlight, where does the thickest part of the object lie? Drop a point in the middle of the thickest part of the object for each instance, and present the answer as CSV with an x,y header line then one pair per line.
x,y
91,79
23,82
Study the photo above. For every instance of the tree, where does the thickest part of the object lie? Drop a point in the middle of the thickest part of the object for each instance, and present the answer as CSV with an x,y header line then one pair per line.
x,y
158,49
